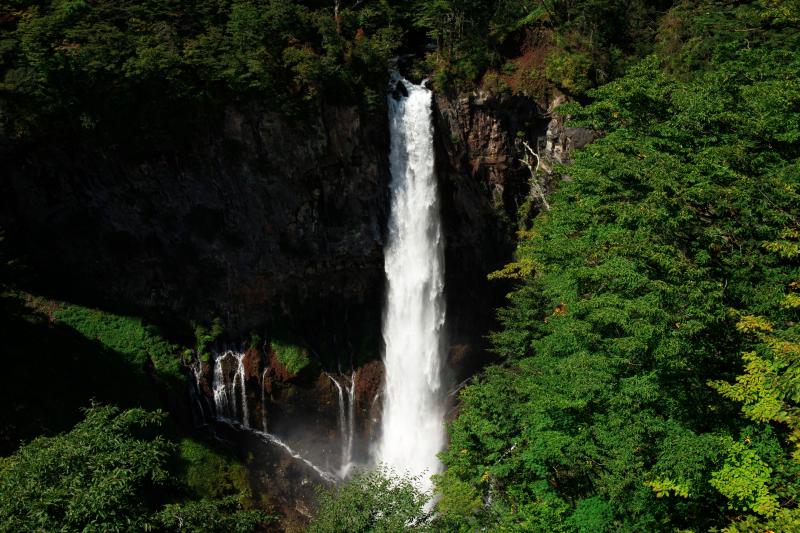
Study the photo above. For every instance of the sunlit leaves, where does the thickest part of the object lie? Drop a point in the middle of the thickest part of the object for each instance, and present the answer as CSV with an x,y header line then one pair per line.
x,y
743,479
110,473
623,314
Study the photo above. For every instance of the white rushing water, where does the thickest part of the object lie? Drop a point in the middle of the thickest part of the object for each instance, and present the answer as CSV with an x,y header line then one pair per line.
x,y
346,422
347,461
264,400
413,429
224,387
225,383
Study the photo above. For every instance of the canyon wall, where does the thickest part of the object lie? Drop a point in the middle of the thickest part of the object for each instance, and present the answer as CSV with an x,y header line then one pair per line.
x,y
256,216
273,223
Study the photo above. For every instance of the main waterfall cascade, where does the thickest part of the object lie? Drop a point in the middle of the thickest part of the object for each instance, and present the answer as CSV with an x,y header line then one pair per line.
x,y
412,428
414,314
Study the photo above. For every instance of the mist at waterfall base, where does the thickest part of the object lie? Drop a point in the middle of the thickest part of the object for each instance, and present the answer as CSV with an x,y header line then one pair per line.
x,y
413,322
412,427
303,438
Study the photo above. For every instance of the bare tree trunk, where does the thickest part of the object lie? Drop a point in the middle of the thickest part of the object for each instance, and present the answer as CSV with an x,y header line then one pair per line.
x,y
537,191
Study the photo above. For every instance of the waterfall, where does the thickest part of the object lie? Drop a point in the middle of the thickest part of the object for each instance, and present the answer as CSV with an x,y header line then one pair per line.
x,y
414,313
263,401
347,457
224,387
242,389
268,437
196,393
346,422
220,388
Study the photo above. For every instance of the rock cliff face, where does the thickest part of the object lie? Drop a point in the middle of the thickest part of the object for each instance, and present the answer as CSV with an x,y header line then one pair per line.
x,y
262,220
560,140
257,216
483,184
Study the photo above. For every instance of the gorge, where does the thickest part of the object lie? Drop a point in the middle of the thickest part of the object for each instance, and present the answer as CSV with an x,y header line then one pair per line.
x,y
298,270
306,270
283,266
409,402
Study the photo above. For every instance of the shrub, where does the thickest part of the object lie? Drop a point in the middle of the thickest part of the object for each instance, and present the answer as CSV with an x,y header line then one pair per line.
x,y
128,336
292,357
210,474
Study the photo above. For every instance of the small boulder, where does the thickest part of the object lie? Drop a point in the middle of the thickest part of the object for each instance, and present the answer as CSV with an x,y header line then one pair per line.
x,y
399,91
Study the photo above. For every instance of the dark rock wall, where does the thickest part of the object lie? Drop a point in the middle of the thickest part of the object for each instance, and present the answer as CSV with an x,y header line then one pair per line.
x,y
258,216
260,220
482,186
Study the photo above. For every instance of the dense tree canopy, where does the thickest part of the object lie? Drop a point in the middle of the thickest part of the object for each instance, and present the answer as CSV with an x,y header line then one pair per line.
x,y
102,68
378,500
649,352
678,224
97,65
110,473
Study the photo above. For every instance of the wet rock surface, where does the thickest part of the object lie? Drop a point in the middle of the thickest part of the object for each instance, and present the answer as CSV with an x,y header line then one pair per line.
x,y
483,184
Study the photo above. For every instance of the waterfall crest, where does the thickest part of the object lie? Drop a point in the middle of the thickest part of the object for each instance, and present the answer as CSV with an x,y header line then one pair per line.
x,y
414,313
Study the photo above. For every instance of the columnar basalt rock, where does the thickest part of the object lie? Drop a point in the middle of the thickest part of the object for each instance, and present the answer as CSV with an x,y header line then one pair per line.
x,y
483,184
255,215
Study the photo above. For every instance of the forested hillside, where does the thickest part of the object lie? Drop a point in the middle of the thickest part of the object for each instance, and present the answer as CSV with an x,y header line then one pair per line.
x,y
90,66
650,350
645,371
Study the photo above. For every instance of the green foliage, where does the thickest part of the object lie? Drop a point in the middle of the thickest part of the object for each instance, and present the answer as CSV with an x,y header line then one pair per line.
x,y
586,42
98,477
211,516
59,369
210,474
140,344
255,341
375,501
743,479
600,417
110,473
592,515
105,66
761,470
569,71
293,357
100,68
204,337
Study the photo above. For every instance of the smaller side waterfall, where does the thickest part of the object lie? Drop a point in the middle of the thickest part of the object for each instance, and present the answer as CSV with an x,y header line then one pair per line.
x,y
346,421
242,389
220,387
263,400
342,422
224,386
268,437
196,394
347,458
228,385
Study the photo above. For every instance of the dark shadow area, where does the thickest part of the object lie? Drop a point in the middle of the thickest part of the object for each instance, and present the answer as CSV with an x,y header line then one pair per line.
x,y
51,371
